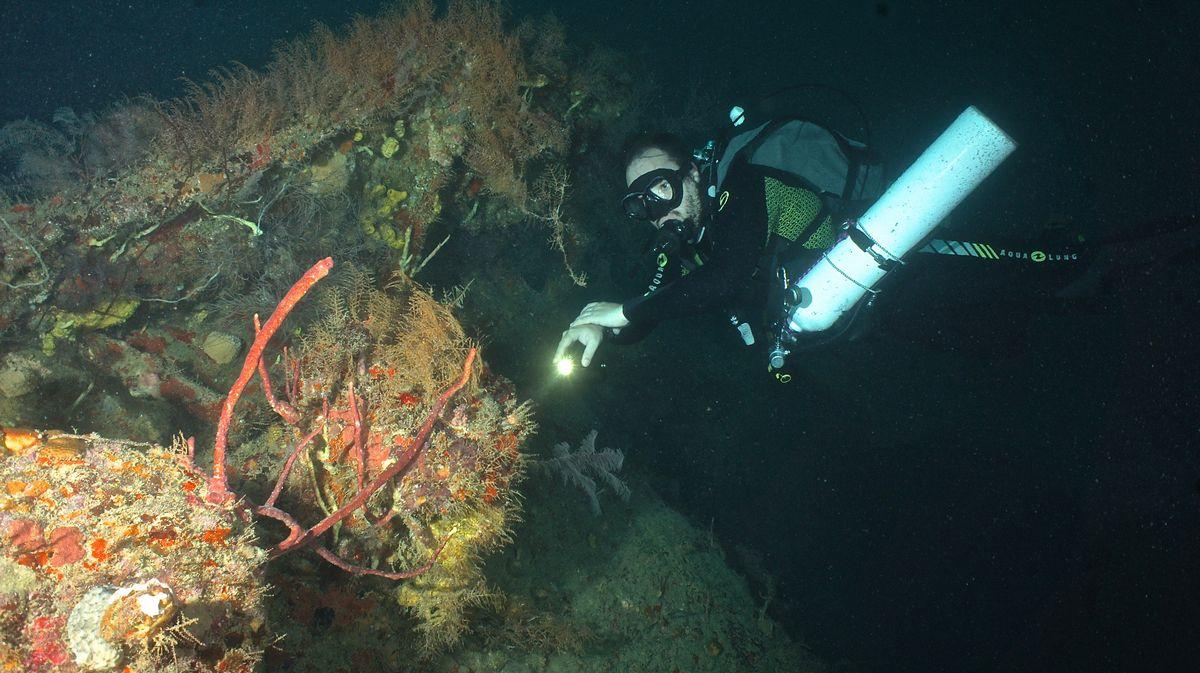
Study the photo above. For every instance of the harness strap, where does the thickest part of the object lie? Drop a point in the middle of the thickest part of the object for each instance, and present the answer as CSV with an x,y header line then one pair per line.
x,y
868,245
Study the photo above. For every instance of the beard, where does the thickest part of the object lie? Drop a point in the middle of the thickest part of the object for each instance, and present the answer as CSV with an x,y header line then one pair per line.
x,y
698,213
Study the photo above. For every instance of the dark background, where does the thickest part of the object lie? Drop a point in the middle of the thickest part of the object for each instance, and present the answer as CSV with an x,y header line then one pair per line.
x,y
988,480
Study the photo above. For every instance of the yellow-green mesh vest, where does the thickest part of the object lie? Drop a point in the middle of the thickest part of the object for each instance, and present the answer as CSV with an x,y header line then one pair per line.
x,y
792,210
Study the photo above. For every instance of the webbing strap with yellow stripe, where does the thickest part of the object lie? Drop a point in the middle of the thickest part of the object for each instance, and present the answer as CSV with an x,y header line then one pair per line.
x,y
941,246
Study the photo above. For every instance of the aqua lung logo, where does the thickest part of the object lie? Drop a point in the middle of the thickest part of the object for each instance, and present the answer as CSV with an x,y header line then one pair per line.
x,y
658,273
1040,255
940,246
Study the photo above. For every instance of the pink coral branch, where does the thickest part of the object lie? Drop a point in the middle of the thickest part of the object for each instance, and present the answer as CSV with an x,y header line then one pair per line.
x,y
187,459
360,451
386,517
287,467
298,536
360,570
295,530
218,484
285,410
397,469
291,376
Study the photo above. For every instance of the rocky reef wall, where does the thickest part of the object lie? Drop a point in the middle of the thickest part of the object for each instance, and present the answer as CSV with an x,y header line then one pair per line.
x,y
138,247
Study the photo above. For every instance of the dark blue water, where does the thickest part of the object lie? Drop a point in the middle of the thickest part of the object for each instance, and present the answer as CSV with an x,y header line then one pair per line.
x,y
987,480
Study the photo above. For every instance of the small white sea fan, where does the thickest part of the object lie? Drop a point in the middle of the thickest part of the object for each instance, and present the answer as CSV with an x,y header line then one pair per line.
x,y
585,465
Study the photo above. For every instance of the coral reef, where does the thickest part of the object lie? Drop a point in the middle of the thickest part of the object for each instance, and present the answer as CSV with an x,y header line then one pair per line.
x,y
401,102
355,407
388,486
135,243
377,143
118,565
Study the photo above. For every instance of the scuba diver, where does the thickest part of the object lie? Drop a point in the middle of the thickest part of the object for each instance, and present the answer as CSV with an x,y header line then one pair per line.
x,y
771,229
722,250
770,226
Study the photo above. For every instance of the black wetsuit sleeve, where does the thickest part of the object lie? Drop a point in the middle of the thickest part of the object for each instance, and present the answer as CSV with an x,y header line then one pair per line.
x,y
740,231
630,334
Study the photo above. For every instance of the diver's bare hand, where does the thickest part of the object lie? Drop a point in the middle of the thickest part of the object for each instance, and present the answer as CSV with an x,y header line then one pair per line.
x,y
602,313
590,336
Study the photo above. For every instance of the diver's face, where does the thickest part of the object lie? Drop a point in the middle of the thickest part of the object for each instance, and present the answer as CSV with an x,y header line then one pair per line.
x,y
654,159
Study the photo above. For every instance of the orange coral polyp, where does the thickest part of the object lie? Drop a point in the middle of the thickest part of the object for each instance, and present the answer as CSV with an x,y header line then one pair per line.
x,y
216,536
490,494
99,547
507,443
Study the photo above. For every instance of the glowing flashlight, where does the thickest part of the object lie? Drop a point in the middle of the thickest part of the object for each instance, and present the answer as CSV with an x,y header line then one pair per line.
x,y
564,367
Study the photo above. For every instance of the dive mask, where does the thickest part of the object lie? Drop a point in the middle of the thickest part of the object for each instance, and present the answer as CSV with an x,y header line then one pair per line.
x,y
654,194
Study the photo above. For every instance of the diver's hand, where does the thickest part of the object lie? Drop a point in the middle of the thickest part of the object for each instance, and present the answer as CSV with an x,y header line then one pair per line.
x,y
588,335
602,313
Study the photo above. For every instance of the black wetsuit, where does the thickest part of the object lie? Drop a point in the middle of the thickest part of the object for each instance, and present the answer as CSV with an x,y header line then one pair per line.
x,y
718,275
729,271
